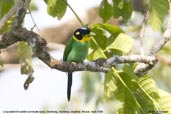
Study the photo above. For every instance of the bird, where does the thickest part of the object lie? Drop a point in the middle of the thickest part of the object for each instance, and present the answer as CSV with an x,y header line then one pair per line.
x,y
76,50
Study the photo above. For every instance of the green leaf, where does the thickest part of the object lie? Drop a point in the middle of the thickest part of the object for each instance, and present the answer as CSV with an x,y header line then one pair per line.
x,y
95,54
105,10
98,43
147,94
106,30
33,6
158,11
109,85
122,42
103,31
145,103
56,8
165,101
7,25
112,52
122,8
5,6
149,86
112,29
100,37
130,106
25,54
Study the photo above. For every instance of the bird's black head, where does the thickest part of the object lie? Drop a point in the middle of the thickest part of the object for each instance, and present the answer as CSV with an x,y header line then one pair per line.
x,y
81,32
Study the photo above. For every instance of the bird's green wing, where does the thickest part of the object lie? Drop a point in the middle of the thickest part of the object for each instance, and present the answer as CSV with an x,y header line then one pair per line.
x,y
68,48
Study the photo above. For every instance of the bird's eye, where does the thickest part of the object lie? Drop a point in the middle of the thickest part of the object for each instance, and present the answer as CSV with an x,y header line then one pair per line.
x,y
77,33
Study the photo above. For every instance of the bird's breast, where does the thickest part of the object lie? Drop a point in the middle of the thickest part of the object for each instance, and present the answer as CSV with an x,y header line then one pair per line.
x,y
79,52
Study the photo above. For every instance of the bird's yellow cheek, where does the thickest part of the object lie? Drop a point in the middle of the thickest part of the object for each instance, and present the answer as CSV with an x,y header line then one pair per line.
x,y
87,38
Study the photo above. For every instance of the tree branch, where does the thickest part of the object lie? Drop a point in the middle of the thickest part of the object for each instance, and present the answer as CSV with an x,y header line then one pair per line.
x,y
142,31
38,44
142,68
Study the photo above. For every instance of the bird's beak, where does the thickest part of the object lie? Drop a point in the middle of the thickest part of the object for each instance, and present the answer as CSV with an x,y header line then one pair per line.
x,y
89,36
92,34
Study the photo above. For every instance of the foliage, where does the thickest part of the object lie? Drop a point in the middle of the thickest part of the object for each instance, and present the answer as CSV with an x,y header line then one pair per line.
x,y
105,10
5,6
33,6
122,8
25,57
105,48
25,54
56,8
138,95
158,11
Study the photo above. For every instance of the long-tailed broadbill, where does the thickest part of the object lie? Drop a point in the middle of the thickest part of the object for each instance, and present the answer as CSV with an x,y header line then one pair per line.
x,y
76,51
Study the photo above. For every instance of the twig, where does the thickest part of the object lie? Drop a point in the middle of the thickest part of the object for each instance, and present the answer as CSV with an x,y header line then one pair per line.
x,y
35,25
142,33
130,59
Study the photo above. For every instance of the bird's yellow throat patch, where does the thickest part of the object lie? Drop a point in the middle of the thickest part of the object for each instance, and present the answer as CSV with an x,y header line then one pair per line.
x,y
84,39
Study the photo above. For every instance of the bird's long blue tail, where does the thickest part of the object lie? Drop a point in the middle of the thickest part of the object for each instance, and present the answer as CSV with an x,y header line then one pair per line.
x,y
69,86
